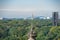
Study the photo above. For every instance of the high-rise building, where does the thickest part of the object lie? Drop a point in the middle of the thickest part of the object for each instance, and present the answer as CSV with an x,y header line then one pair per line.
x,y
55,18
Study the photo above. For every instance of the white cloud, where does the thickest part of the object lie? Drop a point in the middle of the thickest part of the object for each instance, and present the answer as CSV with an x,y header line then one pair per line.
x,y
26,7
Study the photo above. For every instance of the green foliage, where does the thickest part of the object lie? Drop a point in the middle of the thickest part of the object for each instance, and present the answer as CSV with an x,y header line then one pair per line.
x,y
18,29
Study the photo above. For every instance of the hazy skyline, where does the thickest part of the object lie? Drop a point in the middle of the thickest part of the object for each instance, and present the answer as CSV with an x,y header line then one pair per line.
x,y
25,8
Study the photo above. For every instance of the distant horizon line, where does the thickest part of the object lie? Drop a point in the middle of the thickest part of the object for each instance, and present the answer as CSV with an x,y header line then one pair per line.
x,y
25,17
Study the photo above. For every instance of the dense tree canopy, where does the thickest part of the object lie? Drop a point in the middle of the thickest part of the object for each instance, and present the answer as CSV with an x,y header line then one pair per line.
x,y
18,29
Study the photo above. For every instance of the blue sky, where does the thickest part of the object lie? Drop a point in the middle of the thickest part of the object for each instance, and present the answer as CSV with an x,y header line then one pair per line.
x,y
25,8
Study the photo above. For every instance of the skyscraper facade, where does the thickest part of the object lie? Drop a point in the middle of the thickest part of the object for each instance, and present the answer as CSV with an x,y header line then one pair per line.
x,y
55,18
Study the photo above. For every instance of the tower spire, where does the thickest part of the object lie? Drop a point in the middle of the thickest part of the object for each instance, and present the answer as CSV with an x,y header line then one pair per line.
x,y
32,33
32,25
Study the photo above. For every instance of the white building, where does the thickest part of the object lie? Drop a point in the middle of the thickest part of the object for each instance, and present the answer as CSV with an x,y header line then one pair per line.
x,y
1,18
47,17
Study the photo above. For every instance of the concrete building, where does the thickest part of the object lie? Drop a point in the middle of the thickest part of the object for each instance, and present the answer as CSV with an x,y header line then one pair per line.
x,y
55,18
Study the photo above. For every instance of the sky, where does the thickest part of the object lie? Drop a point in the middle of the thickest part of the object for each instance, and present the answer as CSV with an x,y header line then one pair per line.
x,y
25,8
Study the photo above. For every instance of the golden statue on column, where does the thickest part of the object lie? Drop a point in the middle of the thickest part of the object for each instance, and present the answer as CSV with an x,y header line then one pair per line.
x,y
32,33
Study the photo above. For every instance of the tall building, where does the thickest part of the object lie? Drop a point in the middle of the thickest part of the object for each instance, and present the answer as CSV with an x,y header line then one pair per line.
x,y
55,18
32,33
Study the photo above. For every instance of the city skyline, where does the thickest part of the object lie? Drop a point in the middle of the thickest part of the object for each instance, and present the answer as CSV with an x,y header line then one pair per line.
x,y
25,8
